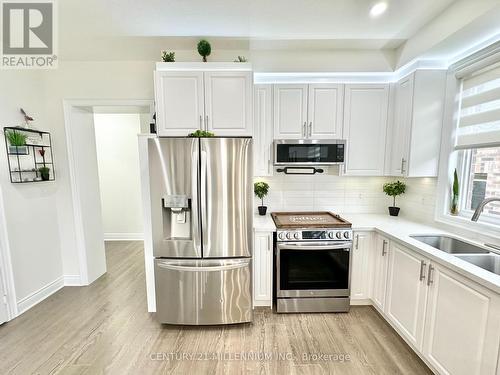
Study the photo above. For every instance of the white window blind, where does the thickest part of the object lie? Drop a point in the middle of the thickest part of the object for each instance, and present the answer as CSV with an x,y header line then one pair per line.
x,y
479,118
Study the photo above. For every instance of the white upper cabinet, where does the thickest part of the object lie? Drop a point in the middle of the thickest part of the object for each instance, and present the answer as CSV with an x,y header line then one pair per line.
x,y
415,134
290,111
365,128
209,96
179,102
308,111
263,130
228,103
324,111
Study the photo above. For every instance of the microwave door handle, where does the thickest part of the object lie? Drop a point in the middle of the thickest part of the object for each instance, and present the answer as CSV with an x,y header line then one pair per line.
x,y
343,245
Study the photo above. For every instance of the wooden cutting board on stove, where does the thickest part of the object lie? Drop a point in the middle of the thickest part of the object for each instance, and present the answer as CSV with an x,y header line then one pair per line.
x,y
304,219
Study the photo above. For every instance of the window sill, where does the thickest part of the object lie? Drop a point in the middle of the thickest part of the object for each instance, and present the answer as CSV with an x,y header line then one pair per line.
x,y
463,222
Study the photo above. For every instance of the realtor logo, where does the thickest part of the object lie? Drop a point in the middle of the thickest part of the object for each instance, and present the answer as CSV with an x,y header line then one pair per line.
x,y
28,35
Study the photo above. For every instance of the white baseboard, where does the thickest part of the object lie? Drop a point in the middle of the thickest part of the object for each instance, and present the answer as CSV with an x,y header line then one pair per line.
x,y
123,236
361,302
72,280
38,296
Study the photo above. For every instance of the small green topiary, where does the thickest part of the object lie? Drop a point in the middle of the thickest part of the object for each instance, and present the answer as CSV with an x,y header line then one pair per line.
x,y
204,49
393,189
261,189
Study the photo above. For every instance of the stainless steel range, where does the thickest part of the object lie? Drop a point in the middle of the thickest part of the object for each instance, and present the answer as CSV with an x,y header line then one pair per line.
x,y
312,262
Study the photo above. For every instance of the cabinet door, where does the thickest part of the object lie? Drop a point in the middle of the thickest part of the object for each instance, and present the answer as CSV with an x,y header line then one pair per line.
x,y
263,130
290,111
324,113
179,102
407,293
228,103
365,128
360,270
262,268
462,325
380,263
403,108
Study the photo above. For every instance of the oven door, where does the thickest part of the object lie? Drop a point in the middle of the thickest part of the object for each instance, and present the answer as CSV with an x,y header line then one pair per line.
x,y
313,269
308,152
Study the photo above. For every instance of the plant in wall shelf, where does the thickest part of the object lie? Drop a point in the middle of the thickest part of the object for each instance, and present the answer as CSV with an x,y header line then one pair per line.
x,y
393,189
44,173
261,189
17,142
454,194
204,49
168,56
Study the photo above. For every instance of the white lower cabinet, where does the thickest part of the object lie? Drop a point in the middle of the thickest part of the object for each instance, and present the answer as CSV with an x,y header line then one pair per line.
x,y
407,292
380,262
262,268
462,325
451,321
360,275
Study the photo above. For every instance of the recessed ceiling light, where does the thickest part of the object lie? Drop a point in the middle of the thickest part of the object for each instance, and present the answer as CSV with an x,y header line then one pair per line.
x,y
378,9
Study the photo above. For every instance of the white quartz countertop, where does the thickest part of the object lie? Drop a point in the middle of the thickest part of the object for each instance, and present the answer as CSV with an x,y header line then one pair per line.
x,y
399,229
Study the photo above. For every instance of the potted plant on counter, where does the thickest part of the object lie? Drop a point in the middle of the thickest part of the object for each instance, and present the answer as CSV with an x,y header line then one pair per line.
x,y
393,189
17,142
261,189
454,194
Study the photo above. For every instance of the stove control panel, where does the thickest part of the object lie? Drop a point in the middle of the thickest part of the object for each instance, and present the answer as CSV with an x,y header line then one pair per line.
x,y
315,235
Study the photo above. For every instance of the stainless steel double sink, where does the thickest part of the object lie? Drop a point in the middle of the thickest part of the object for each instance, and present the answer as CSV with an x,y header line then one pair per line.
x,y
468,252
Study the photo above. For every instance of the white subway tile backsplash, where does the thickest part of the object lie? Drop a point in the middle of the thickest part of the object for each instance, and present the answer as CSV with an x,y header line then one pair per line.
x,y
348,195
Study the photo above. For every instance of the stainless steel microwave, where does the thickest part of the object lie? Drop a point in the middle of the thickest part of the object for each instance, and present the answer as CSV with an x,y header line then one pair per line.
x,y
309,152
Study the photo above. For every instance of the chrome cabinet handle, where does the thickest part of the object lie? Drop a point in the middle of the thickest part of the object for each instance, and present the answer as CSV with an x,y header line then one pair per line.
x,y
269,241
422,270
304,129
384,250
357,241
310,129
429,275
201,122
403,161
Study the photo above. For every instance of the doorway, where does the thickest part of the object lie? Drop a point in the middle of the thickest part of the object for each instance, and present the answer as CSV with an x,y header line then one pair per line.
x,y
93,146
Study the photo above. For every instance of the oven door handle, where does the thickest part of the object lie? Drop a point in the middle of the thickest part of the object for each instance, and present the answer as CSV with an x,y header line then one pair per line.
x,y
343,245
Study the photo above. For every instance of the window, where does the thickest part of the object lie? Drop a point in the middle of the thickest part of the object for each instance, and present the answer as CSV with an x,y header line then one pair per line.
x,y
481,179
478,140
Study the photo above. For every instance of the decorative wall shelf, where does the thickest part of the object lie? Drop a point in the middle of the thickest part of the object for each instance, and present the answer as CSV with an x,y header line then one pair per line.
x,y
25,161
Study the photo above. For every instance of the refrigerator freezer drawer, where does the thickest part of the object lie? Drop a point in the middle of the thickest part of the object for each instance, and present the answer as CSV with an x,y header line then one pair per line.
x,y
203,292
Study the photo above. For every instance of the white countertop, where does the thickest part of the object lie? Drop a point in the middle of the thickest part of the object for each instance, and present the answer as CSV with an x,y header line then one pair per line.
x,y
399,229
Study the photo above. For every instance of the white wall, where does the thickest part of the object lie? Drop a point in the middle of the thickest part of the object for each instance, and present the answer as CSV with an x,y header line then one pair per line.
x,y
30,209
119,183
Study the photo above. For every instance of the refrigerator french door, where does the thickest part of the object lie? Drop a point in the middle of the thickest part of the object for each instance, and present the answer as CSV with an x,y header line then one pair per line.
x,y
201,207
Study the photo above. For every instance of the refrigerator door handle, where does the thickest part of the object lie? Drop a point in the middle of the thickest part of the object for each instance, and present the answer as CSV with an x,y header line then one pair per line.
x,y
225,267
203,192
195,203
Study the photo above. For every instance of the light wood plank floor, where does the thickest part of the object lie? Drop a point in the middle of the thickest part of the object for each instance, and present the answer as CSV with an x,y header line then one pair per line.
x,y
105,329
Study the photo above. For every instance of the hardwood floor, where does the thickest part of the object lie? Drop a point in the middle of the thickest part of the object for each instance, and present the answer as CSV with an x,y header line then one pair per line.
x,y
105,328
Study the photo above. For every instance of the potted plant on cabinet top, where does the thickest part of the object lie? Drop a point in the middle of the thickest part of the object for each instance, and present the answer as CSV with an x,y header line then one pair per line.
x,y
261,189
17,142
393,189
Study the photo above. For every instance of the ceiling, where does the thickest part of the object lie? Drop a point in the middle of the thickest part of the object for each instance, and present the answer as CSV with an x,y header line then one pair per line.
x,y
101,28
261,19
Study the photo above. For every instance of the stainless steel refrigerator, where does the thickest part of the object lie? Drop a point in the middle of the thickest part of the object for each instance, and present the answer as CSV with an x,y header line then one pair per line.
x,y
201,207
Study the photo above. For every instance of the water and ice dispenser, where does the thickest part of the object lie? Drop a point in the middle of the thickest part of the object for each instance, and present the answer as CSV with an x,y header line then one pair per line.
x,y
176,217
